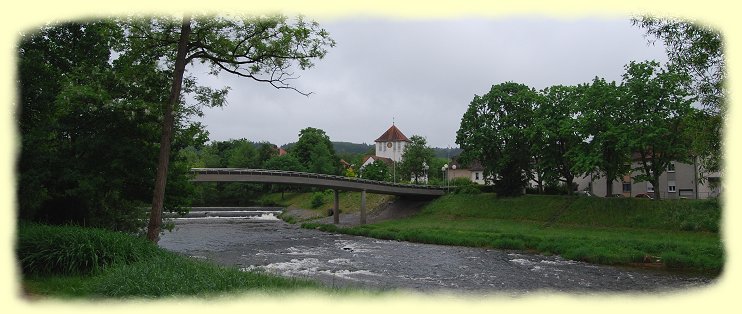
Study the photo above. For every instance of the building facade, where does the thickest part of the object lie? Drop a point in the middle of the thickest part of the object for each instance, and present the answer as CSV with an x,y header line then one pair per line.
x,y
391,144
472,171
679,181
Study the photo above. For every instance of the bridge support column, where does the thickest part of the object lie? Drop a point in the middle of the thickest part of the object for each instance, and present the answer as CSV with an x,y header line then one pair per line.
x,y
363,207
336,212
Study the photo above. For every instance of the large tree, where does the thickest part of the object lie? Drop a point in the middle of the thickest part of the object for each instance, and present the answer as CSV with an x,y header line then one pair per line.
x,y
602,124
555,132
697,50
493,130
88,124
315,152
657,105
264,49
416,156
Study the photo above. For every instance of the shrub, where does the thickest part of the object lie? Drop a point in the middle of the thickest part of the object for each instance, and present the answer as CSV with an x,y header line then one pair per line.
x,y
70,250
318,199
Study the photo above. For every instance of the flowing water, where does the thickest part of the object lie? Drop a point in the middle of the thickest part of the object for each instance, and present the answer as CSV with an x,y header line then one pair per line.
x,y
259,241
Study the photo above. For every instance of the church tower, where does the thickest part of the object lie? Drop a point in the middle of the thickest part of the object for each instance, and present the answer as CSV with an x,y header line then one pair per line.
x,y
391,144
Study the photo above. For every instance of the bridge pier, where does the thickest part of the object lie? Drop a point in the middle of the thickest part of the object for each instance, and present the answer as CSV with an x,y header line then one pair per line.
x,y
336,212
363,207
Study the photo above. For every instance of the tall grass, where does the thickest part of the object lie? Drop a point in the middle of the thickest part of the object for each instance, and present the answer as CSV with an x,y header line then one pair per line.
x,y
68,261
69,250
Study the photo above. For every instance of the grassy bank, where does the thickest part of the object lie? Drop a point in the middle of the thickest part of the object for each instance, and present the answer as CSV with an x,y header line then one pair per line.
x,y
670,234
73,262
350,202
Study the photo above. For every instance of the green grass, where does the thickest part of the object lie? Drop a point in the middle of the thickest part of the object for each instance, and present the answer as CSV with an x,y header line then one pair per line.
x,y
350,202
127,267
681,234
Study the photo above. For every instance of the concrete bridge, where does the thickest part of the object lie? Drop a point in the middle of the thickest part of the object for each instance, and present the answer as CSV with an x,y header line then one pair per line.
x,y
319,180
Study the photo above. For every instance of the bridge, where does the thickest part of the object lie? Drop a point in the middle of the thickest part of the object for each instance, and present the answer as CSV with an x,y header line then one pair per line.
x,y
318,180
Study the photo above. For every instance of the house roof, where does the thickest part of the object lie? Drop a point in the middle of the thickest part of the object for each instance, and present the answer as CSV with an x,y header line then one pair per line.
x,y
474,165
387,161
392,135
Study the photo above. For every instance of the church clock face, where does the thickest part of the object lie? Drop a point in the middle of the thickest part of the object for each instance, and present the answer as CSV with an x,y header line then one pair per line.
x,y
389,145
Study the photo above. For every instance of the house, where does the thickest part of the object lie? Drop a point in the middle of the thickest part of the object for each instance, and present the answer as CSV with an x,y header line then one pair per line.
x,y
678,181
472,171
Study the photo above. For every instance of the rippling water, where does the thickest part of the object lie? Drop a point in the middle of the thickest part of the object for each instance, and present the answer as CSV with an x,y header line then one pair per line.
x,y
268,244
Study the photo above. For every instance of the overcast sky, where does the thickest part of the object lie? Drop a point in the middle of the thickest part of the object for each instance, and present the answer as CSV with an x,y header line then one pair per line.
x,y
423,74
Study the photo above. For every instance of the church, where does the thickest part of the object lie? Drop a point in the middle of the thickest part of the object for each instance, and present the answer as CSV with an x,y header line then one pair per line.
x,y
389,148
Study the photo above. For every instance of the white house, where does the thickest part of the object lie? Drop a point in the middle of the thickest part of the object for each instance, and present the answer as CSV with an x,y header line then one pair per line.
x,y
472,171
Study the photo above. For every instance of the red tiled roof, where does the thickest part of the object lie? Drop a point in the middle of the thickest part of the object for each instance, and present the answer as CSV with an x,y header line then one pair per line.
x,y
392,135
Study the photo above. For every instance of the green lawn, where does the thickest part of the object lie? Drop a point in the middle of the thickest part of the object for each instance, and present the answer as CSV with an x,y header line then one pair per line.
x,y
672,234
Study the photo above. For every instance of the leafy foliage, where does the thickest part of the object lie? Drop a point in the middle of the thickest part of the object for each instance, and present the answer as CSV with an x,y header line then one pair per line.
x,y
555,134
377,170
656,104
602,125
315,152
493,130
416,156
88,129
698,51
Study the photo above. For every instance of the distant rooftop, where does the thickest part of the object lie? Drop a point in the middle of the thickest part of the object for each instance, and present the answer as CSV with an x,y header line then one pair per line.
x,y
392,135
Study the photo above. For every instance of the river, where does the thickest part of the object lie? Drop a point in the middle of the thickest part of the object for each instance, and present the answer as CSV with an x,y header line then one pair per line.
x,y
262,242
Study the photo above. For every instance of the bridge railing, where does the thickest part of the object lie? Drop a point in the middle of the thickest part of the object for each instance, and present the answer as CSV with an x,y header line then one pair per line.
x,y
307,175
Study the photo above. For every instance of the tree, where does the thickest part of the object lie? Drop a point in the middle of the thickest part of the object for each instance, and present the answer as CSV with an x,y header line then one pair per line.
x,y
696,50
88,124
657,105
315,152
376,170
493,130
556,131
263,49
602,124
266,151
416,154
242,155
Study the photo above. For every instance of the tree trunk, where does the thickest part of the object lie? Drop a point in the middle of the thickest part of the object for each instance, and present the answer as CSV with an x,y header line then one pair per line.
x,y
608,186
158,199
656,183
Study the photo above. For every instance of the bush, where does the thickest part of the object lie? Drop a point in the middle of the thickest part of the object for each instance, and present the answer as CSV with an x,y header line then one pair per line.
x,y
468,189
70,250
318,199
460,181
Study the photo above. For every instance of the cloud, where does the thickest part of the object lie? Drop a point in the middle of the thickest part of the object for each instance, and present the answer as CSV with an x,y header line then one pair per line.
x,y
423,74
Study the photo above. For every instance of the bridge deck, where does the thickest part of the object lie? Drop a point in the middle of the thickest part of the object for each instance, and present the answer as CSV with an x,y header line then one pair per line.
x,y
313,179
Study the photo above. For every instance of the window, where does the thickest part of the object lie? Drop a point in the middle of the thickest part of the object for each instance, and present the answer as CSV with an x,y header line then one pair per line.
x,y
627,187
671,167
476,176
650,187
671,186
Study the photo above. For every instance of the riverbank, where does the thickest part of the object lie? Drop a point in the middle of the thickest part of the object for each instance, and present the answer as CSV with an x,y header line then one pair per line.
x,y
675,235
74,262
